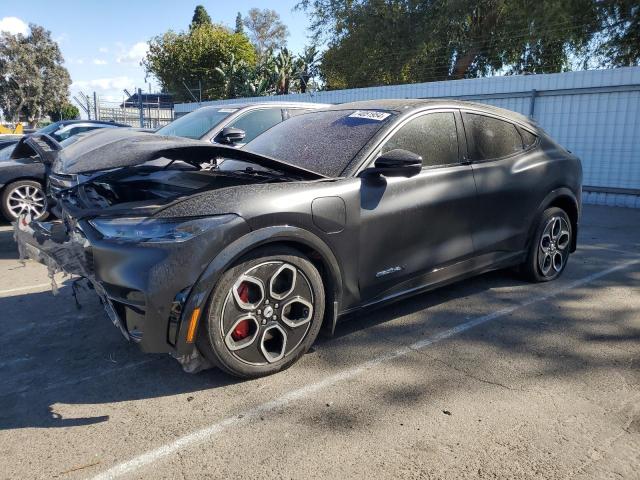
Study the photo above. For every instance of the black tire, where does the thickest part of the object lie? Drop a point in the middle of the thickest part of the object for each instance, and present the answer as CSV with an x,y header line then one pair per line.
x,y
9,194
536,267
216,335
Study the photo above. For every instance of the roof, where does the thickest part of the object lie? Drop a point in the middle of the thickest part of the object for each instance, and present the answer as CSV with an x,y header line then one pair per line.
x,y
411,104
64,123
267,104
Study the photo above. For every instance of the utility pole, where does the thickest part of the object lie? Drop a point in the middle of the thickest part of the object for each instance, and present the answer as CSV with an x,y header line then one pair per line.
x,y
95,105
140,108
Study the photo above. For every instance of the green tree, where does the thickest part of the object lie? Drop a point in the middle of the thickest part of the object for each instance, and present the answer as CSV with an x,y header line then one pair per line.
x,y
33,79
266,30
373,42
234,74
307,67
621,47
239,24
180,60
66,111
200,17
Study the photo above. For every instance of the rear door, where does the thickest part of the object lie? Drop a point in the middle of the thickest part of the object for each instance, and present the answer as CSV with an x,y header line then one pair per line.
x,y
412,226
507,169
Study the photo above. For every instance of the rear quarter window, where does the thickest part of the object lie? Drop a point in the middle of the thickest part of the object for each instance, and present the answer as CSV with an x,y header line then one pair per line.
x,y
489,138
528,138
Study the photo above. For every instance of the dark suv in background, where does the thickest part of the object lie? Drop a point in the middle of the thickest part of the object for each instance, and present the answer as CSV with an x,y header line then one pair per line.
x,y
23,170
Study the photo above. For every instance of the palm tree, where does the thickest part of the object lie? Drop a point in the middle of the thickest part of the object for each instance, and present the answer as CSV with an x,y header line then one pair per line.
x,y
284,70
233,74
306,66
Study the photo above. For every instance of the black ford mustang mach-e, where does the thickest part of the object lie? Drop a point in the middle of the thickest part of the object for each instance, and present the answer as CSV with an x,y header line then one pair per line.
x,y
242,256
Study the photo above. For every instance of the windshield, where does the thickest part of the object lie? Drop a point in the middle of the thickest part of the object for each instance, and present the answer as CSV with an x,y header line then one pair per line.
x,y
49,129
196,124
324,142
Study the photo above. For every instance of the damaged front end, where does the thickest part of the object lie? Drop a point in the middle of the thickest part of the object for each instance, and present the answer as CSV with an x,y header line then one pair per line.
x,y
132,230
142,265
62,250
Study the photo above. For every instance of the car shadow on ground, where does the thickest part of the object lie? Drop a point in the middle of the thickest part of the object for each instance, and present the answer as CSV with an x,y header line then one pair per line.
x,y
85,361
76,356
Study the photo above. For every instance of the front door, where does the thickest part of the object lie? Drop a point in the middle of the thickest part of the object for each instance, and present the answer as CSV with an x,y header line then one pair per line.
x,y
413,226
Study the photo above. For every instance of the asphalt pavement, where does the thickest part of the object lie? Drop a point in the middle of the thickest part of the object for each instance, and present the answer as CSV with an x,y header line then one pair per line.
x,y
492,377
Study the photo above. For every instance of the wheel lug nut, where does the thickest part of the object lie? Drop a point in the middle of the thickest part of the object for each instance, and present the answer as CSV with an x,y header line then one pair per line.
x,y
266,302
259,312
275,317
264,321
276,305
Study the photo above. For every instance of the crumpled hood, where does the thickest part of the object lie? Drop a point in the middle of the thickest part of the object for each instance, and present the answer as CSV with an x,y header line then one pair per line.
x,y
114,148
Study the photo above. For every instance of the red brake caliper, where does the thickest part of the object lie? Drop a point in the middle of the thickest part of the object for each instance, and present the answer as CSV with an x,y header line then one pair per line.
x,y
243,292
241,331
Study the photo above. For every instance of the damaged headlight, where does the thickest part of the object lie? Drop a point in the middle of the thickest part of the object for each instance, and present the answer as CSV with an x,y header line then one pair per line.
x,y
134,229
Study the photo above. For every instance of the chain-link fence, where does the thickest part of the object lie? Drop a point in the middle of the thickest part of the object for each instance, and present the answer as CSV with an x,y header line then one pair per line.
x,y
144,110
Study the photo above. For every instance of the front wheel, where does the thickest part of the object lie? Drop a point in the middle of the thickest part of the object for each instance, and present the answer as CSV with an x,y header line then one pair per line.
x,y
550,247
24,197
264,314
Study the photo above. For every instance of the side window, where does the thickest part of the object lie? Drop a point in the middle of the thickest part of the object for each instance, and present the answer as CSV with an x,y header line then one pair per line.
x,y
490,138
258,121
432,136
528,138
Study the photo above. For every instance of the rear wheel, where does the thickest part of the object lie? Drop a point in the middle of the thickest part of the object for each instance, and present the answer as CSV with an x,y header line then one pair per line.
x,y
264,314
550,247
24,197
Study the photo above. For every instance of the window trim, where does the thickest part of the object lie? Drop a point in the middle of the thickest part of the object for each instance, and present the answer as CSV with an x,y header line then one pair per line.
x,y
470,142
376,150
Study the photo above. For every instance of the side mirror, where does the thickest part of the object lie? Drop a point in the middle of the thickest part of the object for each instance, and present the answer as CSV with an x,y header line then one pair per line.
x,y
397,163
231,135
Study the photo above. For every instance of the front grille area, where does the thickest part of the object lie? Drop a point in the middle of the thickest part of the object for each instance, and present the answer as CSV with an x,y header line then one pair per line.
x,y
60,181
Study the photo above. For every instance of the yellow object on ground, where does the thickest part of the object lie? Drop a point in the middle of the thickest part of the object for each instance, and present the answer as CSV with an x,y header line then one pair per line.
x,y
16,131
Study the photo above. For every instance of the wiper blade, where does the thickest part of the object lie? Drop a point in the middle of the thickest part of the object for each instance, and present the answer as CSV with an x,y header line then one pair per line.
x,y
259,173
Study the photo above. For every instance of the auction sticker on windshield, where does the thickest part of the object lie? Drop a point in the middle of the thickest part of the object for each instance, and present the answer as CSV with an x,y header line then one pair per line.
x,y
228,110
370,115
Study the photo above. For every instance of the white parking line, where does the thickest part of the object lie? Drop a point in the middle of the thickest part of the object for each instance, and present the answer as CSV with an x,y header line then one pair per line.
x,y
24,289
207,433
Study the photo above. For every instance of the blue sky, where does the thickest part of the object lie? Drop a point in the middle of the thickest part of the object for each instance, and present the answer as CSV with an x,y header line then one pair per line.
x,y
103,41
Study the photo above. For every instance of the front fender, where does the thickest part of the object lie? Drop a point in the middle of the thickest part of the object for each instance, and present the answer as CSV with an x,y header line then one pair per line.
x,y
202,289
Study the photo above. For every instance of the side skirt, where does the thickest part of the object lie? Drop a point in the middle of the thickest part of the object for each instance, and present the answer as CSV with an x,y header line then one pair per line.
x,y
440,277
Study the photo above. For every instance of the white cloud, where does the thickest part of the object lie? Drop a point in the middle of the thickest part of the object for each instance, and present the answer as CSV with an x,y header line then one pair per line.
x,y
135,54
103,50
62,38
110,89
13,25
99,61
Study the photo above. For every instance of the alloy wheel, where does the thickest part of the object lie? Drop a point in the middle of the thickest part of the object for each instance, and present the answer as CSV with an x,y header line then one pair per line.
x,y
267,313
553,248
27,199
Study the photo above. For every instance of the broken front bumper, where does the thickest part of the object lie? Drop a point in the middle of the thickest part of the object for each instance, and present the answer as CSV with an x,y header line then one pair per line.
x,y
50,243
145,288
